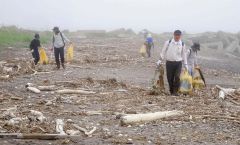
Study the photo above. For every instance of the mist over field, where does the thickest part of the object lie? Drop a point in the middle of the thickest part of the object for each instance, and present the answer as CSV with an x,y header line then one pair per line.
x,y
156,15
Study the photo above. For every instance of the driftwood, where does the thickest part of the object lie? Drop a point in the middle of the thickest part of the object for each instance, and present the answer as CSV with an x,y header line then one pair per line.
x,y
59,126
47,88
36,136
34,90
13,121
134,118
16,98
41,73
75,66
88,133
38,73
73,132
68,91
221,117
98,112
7,70
36,116
4,77
64,82
223,92
10,112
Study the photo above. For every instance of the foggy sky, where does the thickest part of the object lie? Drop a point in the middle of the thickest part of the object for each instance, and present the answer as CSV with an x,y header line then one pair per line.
x,y
155,15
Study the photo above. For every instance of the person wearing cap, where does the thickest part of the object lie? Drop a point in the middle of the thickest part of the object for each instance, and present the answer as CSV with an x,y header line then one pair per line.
x,y
192,58
174,53
59,41
34,45
149,44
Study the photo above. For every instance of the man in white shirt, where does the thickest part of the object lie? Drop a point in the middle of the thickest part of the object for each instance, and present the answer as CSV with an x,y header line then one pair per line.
x,y
174,53
59,42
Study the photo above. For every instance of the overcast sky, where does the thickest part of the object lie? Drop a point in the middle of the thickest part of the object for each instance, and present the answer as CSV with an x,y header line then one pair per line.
x,y
155,15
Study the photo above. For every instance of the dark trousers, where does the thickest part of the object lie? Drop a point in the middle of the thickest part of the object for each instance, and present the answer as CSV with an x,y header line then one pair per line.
x,y
59,52
173,75
149,47
36,56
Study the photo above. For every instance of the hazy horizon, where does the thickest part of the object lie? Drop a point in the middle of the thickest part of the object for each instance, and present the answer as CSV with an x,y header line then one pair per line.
x,y
155,15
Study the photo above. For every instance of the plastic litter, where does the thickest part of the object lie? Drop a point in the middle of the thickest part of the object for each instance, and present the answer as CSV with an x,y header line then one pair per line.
x,y
143,50
43,56
70,53
186,83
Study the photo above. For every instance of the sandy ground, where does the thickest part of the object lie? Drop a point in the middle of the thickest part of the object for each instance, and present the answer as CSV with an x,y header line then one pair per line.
x,y
121,78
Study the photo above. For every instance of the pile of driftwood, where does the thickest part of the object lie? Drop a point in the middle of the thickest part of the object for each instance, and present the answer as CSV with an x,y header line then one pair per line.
x,y
17,67
14,119
230,94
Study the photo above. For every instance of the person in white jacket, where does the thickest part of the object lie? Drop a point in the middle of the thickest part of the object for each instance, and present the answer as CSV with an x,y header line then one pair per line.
x,y
192,58
174,53
59,41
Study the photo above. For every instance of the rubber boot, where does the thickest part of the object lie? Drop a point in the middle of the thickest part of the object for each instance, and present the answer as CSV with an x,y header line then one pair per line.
x,y
63,65
58,66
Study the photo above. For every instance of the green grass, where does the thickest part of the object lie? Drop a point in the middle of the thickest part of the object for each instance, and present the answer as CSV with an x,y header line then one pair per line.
x,y
15,37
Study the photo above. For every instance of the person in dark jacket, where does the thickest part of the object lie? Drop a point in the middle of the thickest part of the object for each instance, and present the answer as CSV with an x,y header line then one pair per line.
x,y
34,45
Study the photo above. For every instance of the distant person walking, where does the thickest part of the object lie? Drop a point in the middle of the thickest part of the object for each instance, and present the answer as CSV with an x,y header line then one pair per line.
x,y
34,45
149,44
59,41
174,53
192,58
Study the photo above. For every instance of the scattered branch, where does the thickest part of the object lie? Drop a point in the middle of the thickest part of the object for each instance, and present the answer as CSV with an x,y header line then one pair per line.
x,y
89,134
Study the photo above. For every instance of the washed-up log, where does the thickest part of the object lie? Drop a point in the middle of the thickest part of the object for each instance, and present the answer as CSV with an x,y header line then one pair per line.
x,y
47,88
228,118
134,118
68,91
88,133
36,136
4,77
34,90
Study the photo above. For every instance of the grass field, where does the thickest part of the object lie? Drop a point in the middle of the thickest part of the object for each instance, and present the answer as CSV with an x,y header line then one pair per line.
x,y
15,37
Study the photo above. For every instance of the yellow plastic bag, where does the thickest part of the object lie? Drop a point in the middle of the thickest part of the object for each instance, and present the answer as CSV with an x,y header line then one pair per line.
x,y
197,80
143,50
43,56
70,53
185,83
